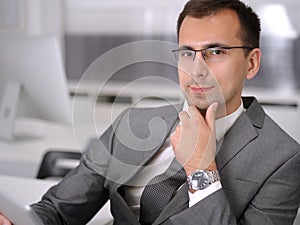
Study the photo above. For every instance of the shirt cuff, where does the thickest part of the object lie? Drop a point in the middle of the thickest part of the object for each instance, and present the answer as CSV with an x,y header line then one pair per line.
x,y
201,194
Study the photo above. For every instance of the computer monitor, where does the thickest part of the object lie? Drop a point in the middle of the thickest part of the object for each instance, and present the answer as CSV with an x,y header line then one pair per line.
x,y
32,82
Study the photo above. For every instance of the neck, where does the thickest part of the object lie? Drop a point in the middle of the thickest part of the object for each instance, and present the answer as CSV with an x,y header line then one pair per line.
x,y
221,111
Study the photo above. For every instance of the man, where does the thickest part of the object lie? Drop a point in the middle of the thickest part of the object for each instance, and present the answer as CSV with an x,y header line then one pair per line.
x,y
239,166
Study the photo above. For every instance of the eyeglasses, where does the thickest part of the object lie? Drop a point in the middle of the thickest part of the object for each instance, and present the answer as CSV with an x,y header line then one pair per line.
x,y
208,54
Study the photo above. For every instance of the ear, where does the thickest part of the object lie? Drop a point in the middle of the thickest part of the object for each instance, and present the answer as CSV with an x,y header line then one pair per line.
x,y
253,63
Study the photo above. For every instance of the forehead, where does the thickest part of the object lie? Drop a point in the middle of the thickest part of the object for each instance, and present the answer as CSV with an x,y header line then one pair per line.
x,y
222,27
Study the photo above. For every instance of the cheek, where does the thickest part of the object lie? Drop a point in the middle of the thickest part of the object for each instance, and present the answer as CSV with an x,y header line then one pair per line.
x,y
228,76
183,78
219,76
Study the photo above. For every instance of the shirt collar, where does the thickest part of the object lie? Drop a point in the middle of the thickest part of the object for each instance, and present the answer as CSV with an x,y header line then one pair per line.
x,y
225,123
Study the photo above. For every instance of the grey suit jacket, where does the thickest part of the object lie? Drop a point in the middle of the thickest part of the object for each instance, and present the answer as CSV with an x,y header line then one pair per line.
x,y
258,162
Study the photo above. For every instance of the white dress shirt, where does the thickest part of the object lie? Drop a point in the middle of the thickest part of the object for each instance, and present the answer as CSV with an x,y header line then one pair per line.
x,y
162,160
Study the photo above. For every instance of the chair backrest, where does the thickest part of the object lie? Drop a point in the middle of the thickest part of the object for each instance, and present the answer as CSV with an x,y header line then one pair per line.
x,y
57,163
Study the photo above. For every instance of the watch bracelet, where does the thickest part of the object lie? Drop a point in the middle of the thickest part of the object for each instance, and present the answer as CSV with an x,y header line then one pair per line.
x,y
214,176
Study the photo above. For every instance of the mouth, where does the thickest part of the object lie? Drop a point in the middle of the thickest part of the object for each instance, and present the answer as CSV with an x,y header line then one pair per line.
x,y
198,89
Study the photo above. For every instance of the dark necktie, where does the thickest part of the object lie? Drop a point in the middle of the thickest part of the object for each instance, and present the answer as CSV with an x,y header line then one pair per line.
x,y
159,191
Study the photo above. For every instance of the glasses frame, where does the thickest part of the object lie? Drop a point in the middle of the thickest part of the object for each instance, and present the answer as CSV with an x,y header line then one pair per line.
x,y
209,48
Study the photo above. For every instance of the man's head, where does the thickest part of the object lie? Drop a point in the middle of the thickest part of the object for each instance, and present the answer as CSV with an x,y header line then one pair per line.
x,y
250,24
217,74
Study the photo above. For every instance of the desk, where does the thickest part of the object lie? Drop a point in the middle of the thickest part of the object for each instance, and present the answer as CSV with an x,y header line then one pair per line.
x,y
14,187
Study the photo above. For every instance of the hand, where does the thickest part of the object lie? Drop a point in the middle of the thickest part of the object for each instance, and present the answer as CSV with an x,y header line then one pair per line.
x,y
4,221
194,142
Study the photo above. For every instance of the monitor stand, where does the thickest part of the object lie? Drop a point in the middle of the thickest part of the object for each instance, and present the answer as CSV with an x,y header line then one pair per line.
x,y
8,110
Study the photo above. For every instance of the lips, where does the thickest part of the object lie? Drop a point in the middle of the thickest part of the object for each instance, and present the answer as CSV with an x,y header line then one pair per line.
x,y
198,89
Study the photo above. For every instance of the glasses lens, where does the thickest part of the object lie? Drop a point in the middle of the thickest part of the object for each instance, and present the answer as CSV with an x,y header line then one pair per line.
x,y
214,54
183,55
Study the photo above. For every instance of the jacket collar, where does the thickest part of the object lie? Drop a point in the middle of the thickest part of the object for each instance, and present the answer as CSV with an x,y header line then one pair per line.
x,y
242,133
166,118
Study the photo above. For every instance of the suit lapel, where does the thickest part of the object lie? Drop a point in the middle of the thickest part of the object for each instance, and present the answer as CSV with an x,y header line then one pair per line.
x,y
179,203
235,140
129,158
241,133
137,159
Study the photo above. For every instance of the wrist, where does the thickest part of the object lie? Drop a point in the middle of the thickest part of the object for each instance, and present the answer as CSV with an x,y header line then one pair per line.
x,y
201,179
212,166
191,168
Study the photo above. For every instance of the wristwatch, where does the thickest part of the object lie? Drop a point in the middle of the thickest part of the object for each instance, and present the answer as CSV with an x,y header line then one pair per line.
x,y
201,179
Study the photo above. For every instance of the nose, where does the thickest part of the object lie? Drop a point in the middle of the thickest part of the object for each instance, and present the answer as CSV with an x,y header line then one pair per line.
x,y
199,68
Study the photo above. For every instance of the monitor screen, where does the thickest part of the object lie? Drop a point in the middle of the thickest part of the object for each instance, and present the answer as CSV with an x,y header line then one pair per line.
x,y
32,82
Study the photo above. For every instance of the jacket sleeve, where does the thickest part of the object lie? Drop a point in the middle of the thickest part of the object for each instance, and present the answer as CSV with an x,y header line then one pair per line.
x,y
275,203
83,191
75,200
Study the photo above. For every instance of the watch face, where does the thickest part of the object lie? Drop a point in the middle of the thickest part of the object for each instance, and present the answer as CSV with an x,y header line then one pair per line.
x,y
199,180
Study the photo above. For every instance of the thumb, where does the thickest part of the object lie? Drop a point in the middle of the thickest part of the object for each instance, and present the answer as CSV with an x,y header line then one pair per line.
x,y
211,115
175,137
4,221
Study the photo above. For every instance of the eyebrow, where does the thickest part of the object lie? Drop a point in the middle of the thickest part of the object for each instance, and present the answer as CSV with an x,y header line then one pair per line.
x,y
211,45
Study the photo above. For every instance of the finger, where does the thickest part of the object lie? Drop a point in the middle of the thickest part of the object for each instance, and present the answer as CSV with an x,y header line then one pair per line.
x,y
177,133
4,221
194,112
178,129
211,115
196,115
183,117
175,137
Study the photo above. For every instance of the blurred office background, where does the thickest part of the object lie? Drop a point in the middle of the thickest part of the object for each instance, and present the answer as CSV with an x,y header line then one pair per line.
x,y
87,29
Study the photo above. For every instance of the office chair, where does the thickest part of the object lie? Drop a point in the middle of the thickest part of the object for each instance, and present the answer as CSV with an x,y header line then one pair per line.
x,y
52,163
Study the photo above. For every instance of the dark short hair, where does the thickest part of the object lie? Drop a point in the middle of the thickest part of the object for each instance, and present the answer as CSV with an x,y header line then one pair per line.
x,y
249,21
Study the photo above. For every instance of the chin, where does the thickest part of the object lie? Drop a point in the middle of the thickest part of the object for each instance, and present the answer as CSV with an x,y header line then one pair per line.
x,y
202,107
200,104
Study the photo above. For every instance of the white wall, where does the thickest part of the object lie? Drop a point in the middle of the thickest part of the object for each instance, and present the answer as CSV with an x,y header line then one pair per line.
x,y
141,16
35,17
122,17
54,17
44,17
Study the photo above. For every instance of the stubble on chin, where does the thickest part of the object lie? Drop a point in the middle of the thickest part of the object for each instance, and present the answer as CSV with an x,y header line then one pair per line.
x,y
202,103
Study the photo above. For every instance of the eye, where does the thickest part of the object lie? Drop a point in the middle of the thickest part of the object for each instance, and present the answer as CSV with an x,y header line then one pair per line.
x,y
215,51
186,53
214,54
